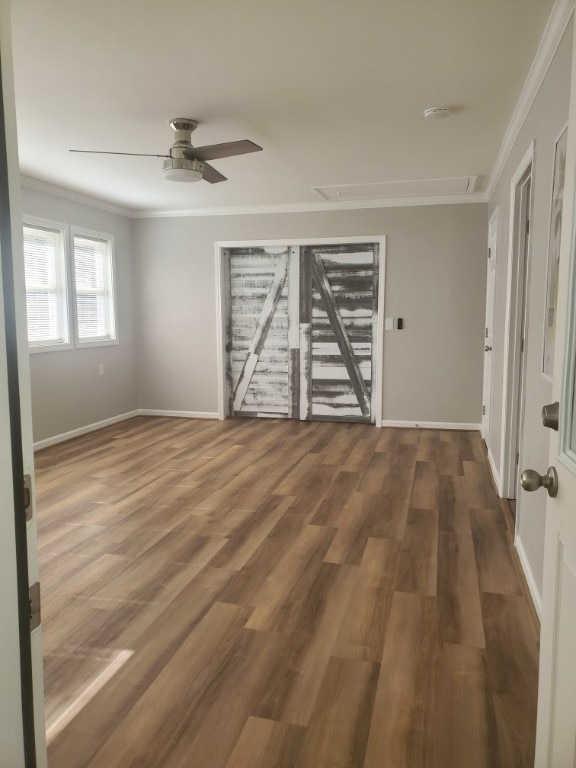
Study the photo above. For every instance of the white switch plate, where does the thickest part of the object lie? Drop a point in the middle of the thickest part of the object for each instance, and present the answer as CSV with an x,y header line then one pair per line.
x,y
100,369
389,324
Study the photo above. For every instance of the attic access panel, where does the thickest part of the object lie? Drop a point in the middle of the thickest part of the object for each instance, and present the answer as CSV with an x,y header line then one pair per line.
x,y
302,331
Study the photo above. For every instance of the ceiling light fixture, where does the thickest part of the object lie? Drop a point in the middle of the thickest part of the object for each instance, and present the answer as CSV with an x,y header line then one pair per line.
x,y
183,169
437,113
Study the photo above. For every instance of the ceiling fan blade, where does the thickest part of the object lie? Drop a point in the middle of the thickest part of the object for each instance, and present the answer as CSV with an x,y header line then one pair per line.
x,y
103,152
217,151
211,175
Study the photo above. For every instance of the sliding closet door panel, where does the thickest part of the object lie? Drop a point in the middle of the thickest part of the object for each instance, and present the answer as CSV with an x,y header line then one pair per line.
x,y
339,308
259,375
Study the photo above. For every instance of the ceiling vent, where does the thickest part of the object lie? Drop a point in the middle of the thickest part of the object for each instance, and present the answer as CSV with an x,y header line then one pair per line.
x,y
382,190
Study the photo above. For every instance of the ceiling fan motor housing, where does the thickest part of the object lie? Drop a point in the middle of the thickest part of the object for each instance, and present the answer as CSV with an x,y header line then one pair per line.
x,y
178,167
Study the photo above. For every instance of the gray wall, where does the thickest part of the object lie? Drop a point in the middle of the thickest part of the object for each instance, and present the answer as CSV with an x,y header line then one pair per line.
x,y
67,392
435,280
547,116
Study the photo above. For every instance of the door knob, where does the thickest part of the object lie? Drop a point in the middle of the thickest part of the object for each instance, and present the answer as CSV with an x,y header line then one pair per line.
x,y
550,414
487,349
531,481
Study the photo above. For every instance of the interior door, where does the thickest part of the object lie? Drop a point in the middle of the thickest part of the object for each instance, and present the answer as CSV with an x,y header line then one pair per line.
x,y
339,320
556,730
22,738
489,325
259,372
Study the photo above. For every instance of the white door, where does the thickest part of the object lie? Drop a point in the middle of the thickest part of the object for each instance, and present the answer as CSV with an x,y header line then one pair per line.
x,y
556,731
489,324
22,738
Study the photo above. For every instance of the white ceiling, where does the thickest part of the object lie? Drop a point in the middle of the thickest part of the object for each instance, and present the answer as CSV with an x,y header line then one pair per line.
x,y
333,90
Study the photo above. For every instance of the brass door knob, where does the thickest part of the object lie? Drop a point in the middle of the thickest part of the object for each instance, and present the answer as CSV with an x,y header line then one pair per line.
x,y
532,480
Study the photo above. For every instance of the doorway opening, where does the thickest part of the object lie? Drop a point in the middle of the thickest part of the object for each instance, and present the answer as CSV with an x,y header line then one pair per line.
x,y
516,333
489,323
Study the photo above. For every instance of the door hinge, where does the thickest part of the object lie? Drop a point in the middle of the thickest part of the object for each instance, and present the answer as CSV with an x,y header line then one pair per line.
x,y
28,510
521,345
483,410
527,226
34,599
489,253
517,457
486,333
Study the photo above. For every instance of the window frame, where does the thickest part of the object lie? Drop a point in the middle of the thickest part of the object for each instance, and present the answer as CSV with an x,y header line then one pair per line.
x,y
89,234
34,222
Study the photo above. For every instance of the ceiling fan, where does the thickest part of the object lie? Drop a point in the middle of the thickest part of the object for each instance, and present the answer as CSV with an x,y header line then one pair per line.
x,y
188,163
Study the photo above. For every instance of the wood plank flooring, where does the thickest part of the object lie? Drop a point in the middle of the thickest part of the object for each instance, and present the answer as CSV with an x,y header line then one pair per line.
x,y
278,594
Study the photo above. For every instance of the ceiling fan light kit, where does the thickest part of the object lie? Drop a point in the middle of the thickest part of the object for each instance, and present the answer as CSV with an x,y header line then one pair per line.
x,y
186,162
182,169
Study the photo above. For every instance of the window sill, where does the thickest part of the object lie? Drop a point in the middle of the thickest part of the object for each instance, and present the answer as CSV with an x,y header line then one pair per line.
x,y
50,348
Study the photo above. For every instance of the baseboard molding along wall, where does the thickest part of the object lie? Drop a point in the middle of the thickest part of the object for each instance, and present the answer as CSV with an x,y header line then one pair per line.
x,y
431,425
83,430
530,580
495,472
178,414
115,419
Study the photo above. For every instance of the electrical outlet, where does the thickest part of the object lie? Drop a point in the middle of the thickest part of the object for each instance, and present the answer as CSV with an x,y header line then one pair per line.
x,y
100,369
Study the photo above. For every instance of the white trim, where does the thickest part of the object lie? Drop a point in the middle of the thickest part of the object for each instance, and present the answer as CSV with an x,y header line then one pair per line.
x,y
493,224
221,310
222,246
551,37
462,426
510,381
530,580
64,436
379,385
240,210
351,205
177,414
545,376
495,471
77,197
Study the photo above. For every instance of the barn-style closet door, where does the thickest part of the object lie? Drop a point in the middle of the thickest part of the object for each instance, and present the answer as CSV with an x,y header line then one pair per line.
x,y
338,328
260,331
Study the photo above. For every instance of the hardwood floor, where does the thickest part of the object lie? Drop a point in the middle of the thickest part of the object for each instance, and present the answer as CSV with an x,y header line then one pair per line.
x,y
281,594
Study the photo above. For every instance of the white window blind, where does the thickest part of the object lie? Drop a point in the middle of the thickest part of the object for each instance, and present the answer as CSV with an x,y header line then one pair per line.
x,y
94,289
45,271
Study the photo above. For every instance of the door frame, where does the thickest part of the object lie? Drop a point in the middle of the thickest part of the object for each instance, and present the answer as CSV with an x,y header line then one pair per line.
x,y
24,741
221,266
512,372
488,385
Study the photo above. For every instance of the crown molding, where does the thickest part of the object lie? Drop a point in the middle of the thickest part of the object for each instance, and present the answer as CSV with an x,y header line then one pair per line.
x,y
246,210
75,197
560,15
352,205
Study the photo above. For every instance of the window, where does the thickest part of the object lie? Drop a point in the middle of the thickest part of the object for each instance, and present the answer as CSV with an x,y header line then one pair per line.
x,y
68,267
46,290
93,288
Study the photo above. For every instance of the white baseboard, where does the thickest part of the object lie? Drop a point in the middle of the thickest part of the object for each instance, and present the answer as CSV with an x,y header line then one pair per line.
x,y
83,430
531,581
495,473
431,425
179,414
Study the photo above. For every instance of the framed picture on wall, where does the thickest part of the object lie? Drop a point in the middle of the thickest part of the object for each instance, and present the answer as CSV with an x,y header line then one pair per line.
x,y
554,254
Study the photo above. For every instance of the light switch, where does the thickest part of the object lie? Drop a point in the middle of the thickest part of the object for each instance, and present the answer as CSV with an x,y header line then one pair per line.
x,y
389,324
